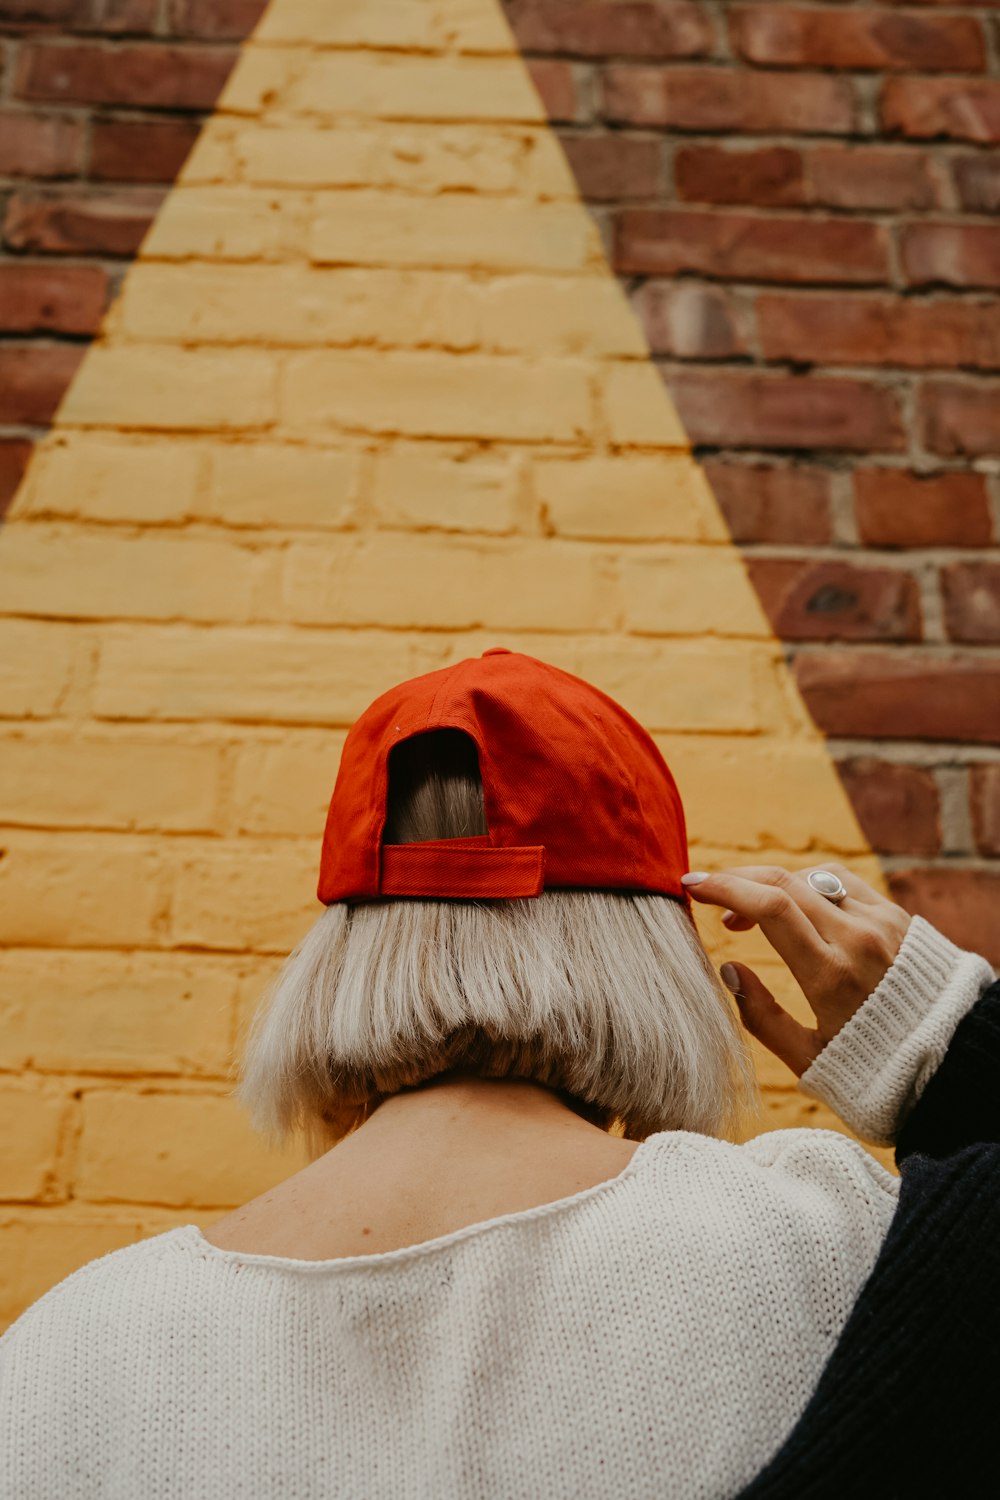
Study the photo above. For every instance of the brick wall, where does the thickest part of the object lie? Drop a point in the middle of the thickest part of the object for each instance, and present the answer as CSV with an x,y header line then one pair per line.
x,y
802,203
369,400
100,103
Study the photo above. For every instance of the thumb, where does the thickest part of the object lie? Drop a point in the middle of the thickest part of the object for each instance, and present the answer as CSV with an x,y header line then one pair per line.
x,y
794,1044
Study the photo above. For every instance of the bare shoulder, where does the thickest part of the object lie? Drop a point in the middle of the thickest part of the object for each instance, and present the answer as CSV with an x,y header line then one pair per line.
x,y
357,1202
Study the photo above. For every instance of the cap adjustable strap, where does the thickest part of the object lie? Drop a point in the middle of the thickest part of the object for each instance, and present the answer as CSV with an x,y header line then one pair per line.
x,y
470,867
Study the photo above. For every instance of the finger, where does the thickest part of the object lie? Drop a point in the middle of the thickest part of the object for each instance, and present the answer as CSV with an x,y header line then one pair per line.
x,y
795,1045
737,924
776,910
826,915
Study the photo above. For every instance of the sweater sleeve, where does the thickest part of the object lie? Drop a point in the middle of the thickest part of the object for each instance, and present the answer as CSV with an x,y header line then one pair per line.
x,y
876,1068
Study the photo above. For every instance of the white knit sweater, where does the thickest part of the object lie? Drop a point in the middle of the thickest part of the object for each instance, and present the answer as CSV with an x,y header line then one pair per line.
x,y
656,1335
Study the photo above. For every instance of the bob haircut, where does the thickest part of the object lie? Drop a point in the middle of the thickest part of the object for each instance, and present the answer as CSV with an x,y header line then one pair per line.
x,y
606,997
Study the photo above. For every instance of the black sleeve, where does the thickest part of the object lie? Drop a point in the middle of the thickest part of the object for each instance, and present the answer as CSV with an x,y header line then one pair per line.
x,y
960,1104
908,1398
907,1402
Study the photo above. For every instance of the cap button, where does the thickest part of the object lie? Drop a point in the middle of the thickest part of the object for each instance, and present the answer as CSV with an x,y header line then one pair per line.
x,y
498,651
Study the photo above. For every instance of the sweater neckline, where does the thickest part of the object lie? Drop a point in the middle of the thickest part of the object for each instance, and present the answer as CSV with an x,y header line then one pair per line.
x,y
191,1237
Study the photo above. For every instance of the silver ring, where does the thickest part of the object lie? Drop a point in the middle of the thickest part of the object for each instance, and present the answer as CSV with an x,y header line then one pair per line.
x,y
827,884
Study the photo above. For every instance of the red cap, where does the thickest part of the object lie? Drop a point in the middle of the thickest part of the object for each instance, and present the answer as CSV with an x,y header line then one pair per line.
x,y
575,791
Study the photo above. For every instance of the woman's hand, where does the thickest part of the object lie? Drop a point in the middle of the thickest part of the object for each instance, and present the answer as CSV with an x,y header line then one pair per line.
x,y
837,951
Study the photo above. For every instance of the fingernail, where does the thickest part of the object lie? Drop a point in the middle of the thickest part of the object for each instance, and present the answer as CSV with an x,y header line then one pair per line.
x,y
730,978
693,876
727,916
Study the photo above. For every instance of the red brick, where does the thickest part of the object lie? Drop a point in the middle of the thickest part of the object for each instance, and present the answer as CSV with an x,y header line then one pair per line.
x,y
959,418
926,108
753,410
984,801
215,19
787,36
831,176
690,321
32,13
14,456
39,145
33,379
955,254
727,99
971,593
961,903
872,177
147,75
848,328
809,599
615,28
891,695
770,175
141,150
557,89
51,298
663,241
977,182
107,221
898,509
765,503
111,16
897,806
613,166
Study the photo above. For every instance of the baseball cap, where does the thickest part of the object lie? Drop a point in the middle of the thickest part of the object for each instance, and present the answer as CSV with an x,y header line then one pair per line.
x,y
575,791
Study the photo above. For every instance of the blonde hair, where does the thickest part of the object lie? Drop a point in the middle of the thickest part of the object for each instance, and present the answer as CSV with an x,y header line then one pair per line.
x,y
607,997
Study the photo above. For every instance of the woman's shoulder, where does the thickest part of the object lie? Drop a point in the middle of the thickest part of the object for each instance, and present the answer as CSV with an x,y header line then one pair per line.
x,y
81,1301
818,1182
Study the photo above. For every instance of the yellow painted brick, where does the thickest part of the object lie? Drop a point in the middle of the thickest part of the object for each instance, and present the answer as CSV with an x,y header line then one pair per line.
x,y
415,156
471,25
103,479
420,24
33,1116
278,485
244,896
259,84
289,305
684,590
448,491
228,224
387,23
150,1148
792,1110
160,388
436,395
284,787
394,87
88,890
556,315
638,408
634,497
37,661
115,1012
728,787
458,229
59,570
67,778
342,305
423,581
256,675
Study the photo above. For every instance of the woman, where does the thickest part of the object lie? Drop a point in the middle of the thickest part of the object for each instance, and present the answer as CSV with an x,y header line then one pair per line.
x,y
525,1260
